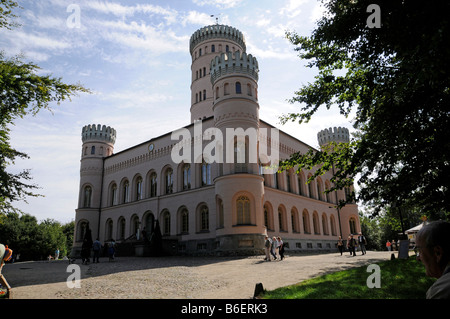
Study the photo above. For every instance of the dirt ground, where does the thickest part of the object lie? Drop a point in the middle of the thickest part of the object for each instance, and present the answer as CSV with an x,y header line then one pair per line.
x,y
174,277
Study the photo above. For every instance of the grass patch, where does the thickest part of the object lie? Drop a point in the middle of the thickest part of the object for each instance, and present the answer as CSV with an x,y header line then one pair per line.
x,y
400,279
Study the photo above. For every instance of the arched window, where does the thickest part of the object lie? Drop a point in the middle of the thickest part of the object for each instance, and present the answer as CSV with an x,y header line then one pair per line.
x,y
184,219
87,197
204,71
311,186
113,194
249,90
288,182
166,223
301,184
206,173
213,48
169,181
187,177
320,192
275,180
325,224
238,88
268,217
204,218
316,223
227,48
138,189
204,95
306,225
294,221
135,225
352,224
217,93
121,233
93,150
243,210
282,219
125,192
153,184
333,225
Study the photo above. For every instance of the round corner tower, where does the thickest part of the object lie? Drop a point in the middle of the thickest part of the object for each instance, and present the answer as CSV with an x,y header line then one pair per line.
x,y
348,215
233,82
337,134
98,143
205,44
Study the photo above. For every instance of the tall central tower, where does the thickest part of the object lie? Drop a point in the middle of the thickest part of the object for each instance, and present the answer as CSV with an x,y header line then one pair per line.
x,y
205,44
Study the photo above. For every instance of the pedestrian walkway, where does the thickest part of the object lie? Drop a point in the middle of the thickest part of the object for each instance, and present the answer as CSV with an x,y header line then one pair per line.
x,y
176,277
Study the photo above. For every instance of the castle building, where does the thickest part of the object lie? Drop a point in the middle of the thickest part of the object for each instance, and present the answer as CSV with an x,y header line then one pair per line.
x,y
204,187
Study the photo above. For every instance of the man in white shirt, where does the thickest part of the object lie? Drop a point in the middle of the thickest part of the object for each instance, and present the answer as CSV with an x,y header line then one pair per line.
x,y
433,250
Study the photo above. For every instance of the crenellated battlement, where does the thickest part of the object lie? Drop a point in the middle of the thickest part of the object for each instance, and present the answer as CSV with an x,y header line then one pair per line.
x,y
337,134
234,63
98,133
217,32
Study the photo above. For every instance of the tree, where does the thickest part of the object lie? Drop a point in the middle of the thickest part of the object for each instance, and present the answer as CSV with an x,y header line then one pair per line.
x,y
33,240
22,92
395,78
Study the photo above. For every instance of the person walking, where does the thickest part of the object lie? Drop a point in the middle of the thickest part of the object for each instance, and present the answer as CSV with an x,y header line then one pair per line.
x,y
388,245
111,250
340,245
267,247
351,245
56,254
96,247
280,248
362,243
274,248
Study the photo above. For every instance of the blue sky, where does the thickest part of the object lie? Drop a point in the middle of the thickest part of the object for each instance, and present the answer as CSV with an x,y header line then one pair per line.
x,y
134,57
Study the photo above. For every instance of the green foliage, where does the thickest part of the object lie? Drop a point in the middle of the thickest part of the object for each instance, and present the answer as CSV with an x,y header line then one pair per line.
x,y
396,80
400,279
22,92
33,240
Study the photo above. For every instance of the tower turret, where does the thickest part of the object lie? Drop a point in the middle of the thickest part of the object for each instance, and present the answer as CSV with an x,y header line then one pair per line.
x,y
337,134
234,78
98,143
205,44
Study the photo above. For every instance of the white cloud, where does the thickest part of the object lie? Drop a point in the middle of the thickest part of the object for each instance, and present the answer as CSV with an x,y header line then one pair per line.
x,y
222,4
39,40
292,8
195,17
126,11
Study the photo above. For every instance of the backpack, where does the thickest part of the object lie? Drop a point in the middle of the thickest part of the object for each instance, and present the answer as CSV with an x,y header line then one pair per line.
x,y
8,254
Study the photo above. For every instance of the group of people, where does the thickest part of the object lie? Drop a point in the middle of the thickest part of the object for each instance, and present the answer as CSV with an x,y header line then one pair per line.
x,y
97,248
352,244
274,247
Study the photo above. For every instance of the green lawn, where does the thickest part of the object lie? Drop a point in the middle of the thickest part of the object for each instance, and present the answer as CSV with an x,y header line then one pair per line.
x,y
400,279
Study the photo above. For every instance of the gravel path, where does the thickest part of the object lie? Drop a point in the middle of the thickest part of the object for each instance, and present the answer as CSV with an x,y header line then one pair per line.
x,y
174,277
